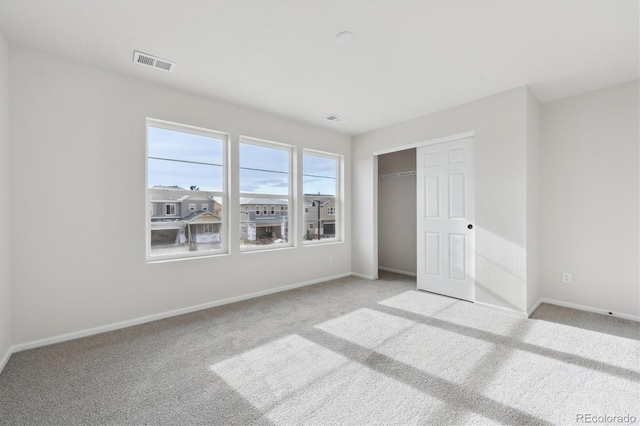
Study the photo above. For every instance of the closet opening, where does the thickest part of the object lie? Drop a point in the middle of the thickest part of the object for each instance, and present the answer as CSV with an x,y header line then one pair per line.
x,y
397,212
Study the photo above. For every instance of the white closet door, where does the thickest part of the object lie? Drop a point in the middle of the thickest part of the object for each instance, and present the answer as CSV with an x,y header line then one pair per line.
x,y
445,195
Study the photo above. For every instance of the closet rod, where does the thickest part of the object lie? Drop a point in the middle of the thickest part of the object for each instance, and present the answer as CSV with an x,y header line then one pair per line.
x,y
400,174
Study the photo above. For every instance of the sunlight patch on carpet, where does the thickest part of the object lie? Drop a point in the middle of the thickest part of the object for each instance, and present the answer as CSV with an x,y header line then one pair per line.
x,y
294,380
442,353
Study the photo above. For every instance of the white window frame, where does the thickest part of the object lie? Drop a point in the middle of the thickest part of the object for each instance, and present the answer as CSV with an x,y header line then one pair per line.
x,y
289,197
339,223
223,195
258,210
192,207
205,207
171,207
331,211
208,228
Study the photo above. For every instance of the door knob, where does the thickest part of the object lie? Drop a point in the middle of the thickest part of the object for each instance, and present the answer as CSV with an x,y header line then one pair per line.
x,y
470,226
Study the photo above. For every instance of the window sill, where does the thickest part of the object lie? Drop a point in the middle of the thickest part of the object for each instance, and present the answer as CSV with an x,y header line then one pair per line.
x,y
265,249
321,242
160,259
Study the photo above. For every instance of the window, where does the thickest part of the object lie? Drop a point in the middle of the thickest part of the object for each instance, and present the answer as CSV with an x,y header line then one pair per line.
x,y
321,187
205,207
265,177
185,162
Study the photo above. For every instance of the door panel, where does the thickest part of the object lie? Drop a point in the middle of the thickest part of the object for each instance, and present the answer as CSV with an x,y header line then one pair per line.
x,y
445,194
457,196
432,258
432,196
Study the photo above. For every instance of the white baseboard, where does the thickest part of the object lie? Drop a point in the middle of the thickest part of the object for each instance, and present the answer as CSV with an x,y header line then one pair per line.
x,y
366,277
496,308
163,315
5,358
590,309
397,271
534,308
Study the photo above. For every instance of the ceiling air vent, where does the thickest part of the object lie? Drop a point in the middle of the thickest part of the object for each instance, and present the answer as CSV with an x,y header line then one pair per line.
x,y
335,118
152,61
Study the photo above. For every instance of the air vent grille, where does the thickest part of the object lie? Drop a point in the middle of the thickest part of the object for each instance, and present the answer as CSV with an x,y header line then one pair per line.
x,y
335,118
152,61
163,65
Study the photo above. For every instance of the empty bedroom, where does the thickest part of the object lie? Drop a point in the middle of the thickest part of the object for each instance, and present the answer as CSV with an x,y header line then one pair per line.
x,y
319,212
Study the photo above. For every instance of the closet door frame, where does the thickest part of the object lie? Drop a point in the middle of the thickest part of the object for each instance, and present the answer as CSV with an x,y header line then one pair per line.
x,y
416,145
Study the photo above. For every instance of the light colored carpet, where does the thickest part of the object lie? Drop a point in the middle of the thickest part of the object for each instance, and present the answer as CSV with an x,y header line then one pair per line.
x,y
347,352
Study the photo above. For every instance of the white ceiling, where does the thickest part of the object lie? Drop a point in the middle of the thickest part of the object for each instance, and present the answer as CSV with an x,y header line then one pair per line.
x,y
409,58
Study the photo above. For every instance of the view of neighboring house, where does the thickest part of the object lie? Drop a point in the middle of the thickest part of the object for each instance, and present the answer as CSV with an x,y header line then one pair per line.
x,y
263,220
181,218
319,216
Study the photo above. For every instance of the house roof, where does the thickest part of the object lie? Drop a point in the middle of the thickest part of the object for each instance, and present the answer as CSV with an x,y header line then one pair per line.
x,y
172,187
167,198
262,201
166,195
176,194
199,214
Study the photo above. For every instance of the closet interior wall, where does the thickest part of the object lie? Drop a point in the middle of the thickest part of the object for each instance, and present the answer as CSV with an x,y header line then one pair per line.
x,y
397,211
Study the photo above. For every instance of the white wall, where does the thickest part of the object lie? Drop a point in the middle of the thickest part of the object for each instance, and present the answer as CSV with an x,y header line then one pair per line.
x,y
5,227
499,123
397,212
78,210
590,195
534,286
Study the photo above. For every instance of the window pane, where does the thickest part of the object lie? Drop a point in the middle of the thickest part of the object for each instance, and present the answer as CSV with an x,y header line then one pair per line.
x,y
176,228
319,175
264,158
184,160
185,179
164,173
264,170
184,146
258,229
